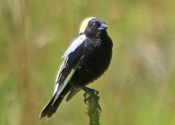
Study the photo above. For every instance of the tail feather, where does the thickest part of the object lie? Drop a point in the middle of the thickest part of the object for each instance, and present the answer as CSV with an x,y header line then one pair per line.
x,y
72,93
50,109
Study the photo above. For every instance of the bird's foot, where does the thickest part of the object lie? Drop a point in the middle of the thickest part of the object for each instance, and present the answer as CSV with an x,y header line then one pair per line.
x,y
91,97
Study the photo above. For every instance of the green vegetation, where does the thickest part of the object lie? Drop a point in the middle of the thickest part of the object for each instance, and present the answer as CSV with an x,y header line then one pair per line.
x,y
94,109
137,89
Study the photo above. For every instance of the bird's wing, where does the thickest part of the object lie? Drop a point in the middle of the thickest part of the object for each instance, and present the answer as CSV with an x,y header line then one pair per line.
x,y
72,58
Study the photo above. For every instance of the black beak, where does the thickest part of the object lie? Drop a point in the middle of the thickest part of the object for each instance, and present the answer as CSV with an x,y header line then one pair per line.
x,y
103,27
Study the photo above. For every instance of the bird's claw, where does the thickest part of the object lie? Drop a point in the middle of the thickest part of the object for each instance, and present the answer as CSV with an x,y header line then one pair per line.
x,y
91,96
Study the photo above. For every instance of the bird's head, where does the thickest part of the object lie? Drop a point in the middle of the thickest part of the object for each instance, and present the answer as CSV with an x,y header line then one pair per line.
x,y
93,27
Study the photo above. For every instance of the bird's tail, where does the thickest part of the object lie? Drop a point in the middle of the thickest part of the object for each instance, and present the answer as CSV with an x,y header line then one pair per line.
x,y
50,109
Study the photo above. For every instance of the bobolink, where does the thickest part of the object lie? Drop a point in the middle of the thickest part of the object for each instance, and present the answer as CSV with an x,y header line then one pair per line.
x,y
87,58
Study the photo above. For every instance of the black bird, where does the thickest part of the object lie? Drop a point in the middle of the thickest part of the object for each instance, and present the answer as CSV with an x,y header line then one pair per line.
x,y
87,58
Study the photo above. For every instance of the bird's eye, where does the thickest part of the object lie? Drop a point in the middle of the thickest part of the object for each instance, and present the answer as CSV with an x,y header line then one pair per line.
x,y
94,25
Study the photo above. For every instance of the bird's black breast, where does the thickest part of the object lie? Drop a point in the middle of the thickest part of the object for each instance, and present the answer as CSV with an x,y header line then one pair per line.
x,y
96,59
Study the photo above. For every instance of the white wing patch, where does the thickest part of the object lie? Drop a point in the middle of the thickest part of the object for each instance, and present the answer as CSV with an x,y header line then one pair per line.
x,y
77,42
59,88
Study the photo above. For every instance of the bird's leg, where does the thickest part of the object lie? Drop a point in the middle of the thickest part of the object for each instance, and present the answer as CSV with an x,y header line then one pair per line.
x,y
91,97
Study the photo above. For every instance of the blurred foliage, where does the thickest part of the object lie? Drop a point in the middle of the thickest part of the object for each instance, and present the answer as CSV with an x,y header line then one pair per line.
x,y
137,89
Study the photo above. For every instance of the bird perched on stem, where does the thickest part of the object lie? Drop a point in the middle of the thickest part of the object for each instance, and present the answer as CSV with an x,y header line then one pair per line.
x,y
86,59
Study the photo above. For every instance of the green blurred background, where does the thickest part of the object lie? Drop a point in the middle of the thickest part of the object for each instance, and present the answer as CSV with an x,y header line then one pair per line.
x,y
137,89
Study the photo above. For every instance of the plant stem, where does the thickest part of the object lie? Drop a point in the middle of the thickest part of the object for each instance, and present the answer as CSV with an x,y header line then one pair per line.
x,y
94,109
